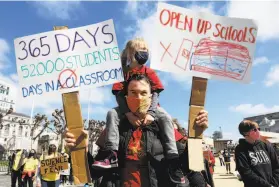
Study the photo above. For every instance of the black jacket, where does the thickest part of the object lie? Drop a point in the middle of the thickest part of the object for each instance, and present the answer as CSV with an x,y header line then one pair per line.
x,y
257,164
152,148
156,164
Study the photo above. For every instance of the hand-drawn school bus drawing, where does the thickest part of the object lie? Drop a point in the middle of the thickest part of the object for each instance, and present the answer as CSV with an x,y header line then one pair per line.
x,y
221,58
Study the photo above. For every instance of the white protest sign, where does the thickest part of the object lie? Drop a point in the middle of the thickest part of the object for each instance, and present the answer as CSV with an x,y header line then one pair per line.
x,y
68,59
202,44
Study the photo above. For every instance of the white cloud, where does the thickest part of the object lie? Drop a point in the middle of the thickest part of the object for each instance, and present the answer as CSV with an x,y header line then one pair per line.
x,y
14,77
182,78
235,136
260,60
4,50
138,9
264,12
249,109
272,77
208,8
64,10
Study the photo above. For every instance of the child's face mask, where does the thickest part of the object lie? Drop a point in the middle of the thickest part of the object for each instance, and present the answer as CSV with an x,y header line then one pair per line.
x,y
139,105
141,57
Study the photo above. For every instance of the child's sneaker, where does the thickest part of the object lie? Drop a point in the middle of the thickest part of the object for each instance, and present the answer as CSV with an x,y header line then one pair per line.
x,y
111,161
175,173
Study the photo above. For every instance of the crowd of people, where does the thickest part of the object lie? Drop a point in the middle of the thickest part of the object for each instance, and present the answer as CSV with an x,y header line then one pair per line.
x,y
25,169
143,146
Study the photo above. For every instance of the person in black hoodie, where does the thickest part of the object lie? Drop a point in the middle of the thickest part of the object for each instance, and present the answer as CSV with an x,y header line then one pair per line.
x,y
256,161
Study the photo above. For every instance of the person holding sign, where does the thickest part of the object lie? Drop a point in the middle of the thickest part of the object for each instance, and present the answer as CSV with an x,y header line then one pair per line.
x,y
30,168
256,161
51,179
140,150
134,56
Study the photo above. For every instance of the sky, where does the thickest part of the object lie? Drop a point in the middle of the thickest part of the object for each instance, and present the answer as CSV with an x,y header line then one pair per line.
x,y
227,102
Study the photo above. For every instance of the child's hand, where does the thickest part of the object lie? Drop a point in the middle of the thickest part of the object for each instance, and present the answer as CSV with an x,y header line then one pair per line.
x,y
148,119
133,119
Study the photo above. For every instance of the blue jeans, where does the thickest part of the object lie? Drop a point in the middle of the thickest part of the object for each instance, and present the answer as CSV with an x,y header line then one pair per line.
x,y
50,183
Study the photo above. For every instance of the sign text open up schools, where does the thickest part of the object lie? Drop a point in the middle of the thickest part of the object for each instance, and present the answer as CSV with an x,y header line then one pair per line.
x,y
202,44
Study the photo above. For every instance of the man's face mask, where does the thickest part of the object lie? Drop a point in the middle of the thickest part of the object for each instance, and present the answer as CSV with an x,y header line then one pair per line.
x,y
141,57
139,105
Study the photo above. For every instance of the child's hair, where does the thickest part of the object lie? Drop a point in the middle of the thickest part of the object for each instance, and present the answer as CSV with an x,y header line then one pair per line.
x,y
247,125
132,46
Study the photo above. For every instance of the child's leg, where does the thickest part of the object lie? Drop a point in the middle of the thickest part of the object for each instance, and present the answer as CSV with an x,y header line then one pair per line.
x,y
170,149
112,132
166,132
108,158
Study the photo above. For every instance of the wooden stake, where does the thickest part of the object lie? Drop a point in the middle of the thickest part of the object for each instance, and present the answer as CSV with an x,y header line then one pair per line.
x,y
195,133
74,122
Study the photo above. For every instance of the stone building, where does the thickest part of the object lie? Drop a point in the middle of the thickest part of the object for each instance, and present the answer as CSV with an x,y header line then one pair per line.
x,y
15,133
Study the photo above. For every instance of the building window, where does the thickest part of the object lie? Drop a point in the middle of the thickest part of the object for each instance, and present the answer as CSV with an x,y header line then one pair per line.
x,y
20,129
26,133
7,130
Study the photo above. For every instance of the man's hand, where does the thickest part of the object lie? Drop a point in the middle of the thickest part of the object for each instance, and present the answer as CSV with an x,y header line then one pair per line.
x,y
148,119
202,119
71,141
133,119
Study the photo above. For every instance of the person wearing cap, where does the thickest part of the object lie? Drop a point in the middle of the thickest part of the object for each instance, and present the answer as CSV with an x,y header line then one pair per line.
x,y
256,161
49,179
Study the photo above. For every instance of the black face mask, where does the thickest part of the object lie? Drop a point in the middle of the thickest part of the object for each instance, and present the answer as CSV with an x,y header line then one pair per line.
x,y
141,57
51,149
31,154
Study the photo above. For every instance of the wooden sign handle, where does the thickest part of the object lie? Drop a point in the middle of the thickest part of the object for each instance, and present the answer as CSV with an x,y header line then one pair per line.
x,y
74,122
197,102
195,133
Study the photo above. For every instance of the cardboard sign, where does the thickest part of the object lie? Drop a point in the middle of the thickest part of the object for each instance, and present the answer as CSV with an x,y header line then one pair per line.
x,y
80,166
202,44
195,154
54,165
68,59
66,171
